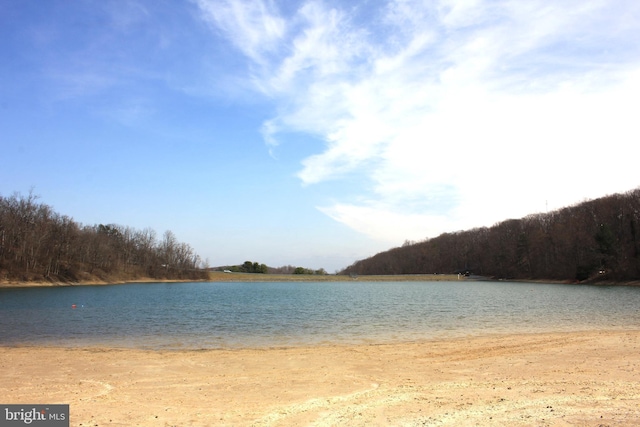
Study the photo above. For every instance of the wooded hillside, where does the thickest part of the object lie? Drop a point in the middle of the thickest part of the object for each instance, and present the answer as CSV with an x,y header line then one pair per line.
x,y
38,244
597,239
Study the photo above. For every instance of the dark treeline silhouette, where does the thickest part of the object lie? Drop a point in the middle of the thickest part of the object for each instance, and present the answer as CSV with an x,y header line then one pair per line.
x,y
290,269
246,267
254,267
37,244
593,240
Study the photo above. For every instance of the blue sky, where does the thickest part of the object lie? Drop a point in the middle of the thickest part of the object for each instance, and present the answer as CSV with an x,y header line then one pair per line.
x,y
316,133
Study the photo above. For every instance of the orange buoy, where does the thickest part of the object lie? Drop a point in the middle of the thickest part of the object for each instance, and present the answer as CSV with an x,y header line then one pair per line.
x,y
73,306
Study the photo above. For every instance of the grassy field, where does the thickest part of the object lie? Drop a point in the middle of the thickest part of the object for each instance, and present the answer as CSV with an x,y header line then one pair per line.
x,y
217,276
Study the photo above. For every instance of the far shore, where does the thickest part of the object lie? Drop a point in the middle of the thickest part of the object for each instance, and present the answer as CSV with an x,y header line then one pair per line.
x,y
45,284
218,276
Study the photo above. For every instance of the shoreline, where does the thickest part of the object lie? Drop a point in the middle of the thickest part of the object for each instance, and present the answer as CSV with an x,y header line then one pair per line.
x,y
302,345
98,346
220,277
586,378
18,284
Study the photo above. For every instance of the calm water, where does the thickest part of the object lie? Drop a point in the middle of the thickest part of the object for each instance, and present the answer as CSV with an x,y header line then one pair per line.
x,y
215,315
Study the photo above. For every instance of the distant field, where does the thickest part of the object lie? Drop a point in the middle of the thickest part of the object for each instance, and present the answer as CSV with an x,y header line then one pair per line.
x,y
217,276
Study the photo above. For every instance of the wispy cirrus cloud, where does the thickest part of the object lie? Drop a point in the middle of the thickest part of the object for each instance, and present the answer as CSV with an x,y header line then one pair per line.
x,y
254,27
107,66
455,113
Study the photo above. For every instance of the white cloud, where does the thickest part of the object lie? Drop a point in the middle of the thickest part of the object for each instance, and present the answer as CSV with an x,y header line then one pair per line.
x,y
456,114
253,26
368,219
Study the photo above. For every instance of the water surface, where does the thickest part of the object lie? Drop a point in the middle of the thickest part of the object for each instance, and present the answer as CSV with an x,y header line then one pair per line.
x,y
221,315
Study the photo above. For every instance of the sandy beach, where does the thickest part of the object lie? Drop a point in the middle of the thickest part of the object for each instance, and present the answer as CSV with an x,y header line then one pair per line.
x,y
583,378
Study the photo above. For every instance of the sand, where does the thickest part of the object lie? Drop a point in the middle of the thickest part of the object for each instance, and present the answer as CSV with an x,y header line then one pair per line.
x,y
557,379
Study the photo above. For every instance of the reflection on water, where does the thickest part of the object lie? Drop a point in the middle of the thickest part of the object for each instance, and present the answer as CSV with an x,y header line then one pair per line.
x,y
215,315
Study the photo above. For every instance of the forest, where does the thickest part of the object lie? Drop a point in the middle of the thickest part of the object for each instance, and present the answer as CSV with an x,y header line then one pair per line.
x,y
596,240
38,244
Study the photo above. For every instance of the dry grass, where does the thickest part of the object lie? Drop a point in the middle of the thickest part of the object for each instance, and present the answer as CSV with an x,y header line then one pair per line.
x,y
217,276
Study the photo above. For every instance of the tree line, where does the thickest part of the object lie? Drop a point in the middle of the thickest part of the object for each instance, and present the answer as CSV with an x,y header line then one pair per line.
x,y
594,240
254,267
37,243
246,267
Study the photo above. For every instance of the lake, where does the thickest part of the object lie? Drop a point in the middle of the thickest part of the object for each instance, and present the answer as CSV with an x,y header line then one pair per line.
x,y
231,315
